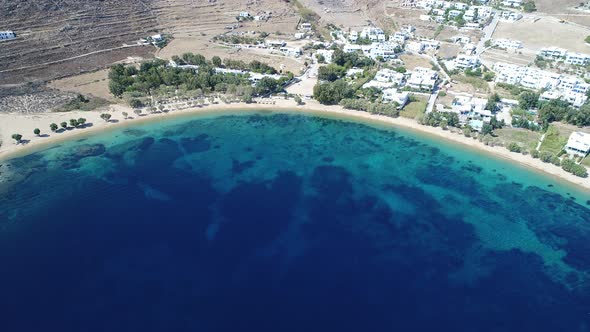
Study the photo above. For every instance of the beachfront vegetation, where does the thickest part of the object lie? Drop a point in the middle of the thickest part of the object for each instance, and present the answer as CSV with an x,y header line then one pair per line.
x,y
53,127
106,117
37,131
415,109
156,79
298,100
17,137
441,119
514,147
570,166
370,107
331,93
83,103
64,125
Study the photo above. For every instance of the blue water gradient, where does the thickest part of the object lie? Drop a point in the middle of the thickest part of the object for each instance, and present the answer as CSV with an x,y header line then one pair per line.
x,y
276,222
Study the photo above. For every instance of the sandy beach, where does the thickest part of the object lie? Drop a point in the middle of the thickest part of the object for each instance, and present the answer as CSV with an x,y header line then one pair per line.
x,y
25,124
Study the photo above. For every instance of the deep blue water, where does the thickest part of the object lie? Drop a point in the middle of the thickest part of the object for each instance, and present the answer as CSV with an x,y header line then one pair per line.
x,y
273,222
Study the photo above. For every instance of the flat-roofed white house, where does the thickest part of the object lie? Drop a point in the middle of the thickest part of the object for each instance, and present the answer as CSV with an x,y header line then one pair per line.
x,y
508,43
509,16
291,51
393,96
553,53
578,144
244,14
463,61
327,54
5,35
579,59
512,3
422,79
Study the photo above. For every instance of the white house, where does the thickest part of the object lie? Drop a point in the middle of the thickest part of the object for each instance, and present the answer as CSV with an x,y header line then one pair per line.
x,y
509,16
291,51
454,13
422,79
305,26
299,35
349,48
463,61
393,96
373,34
415,47
5,35
512,3
244,14
577,59
385,50
553,53
507,43
386,78
578,144
354,36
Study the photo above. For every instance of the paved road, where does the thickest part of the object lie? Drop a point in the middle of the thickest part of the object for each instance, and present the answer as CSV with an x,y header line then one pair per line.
x,y
488,32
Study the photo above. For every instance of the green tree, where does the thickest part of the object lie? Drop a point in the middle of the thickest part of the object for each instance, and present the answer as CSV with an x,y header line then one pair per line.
x,y
81,121
216,61
137,112
331,93
487,129
53,127
514,147
491,105
529,6
554,110
587,39
37,131
106,117
125,115
331,72
73,122
528,100
17,137
298,100
64,125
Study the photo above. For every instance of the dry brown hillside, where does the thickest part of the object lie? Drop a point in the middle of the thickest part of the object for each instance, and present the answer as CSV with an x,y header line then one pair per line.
x,y
58,38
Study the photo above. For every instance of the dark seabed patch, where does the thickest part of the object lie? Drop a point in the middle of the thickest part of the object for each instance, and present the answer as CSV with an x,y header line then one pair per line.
x,y
286,223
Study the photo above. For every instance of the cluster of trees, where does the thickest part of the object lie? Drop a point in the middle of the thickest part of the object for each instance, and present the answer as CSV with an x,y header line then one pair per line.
x,y
237,39
353,59
331,72
529,6
559,110
156,78
441,119
331,93
371,107
570,166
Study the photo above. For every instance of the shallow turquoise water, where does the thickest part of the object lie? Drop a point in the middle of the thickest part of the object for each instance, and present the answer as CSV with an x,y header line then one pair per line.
x,y
291,223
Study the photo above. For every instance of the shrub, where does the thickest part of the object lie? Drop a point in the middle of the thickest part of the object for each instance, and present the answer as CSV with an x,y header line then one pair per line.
x,y
546,157
570,166
555,161
513,147
535,154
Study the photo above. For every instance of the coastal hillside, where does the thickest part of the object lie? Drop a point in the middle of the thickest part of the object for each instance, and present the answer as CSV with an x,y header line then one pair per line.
x,y
66,37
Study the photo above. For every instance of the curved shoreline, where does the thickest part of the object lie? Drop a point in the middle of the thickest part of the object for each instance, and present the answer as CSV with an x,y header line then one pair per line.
x,y
26,123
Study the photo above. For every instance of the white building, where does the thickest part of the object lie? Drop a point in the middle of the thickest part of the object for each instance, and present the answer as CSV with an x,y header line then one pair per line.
x,y
291,51
512,3
354,36
385,50
244,14
577,59
393,96
509,16
373,34
349,48
386,78
5,35
578,144
507,44
305,26
553,53
463,61
422,79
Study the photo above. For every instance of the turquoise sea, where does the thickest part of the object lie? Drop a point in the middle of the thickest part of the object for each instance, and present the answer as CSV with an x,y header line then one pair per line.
x,y
278,222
